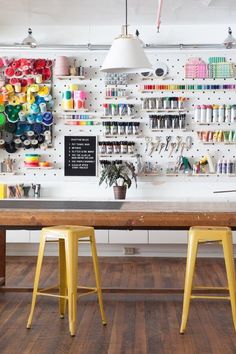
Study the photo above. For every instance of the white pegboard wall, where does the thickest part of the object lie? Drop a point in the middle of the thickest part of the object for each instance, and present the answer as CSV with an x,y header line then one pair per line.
x,y
94,85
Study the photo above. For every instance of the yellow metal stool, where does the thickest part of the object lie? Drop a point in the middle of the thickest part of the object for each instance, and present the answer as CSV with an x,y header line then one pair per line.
x,y
205,234
68,237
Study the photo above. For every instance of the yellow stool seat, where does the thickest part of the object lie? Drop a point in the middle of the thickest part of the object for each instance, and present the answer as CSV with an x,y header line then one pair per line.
x,y
205,234
68,237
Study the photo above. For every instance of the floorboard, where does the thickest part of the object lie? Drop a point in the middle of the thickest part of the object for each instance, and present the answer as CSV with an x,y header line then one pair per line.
x,y
137,324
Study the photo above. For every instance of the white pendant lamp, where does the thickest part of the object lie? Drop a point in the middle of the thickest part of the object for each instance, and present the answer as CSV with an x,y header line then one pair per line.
x,y
29,40
126,54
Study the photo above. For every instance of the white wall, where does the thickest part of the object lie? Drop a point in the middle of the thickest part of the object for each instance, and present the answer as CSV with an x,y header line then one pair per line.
x,y
158,188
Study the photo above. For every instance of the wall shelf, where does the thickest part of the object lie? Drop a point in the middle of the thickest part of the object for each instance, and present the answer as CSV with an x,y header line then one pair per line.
x,y
165,110
70,77
116,97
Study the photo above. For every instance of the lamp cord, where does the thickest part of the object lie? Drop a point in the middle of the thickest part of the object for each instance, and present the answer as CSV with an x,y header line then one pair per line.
x,y
126,17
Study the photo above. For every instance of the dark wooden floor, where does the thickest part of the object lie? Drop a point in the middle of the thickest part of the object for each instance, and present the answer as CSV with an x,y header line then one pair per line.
x,y
137,324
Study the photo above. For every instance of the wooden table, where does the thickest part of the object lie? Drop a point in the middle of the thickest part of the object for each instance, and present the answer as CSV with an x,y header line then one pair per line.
x,y
129,215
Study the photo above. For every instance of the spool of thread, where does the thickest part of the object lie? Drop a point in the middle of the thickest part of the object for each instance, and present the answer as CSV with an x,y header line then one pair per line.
x,y
67,95
22,97
34,143
38,78
44,146
23,137
30,80
39,118
25,107
22,116
41,139
18,143
47,135
30,134
31,118
34,108
34,88
68,104
17,87
61,66
27,144
73,87
43,107
2,143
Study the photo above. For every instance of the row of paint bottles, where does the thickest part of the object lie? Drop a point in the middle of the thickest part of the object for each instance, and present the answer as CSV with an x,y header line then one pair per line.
x,y
225,167
207,114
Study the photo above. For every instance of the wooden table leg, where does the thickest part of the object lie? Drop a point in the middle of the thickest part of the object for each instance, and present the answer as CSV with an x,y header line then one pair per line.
x,y
2,256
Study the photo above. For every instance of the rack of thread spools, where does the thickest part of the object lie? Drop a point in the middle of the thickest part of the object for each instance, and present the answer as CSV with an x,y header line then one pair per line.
x,y
25,103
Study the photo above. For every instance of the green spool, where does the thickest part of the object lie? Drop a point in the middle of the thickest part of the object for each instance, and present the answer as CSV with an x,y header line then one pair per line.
x,y
2,119
67,95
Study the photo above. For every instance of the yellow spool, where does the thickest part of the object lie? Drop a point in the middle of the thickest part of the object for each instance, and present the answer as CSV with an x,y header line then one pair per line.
x,y
43,91
9,88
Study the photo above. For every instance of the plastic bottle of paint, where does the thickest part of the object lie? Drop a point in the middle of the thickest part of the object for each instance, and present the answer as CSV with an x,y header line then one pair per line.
x,y
215,113
208,114
227,114
221,112
233,114
219,167
203,114
197,115
224,166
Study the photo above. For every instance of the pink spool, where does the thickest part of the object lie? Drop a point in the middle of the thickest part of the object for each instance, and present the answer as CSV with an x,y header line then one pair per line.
x,y
82,95
62,66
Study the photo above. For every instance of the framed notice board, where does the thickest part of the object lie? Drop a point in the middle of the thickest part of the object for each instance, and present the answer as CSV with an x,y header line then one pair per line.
x,y
80,156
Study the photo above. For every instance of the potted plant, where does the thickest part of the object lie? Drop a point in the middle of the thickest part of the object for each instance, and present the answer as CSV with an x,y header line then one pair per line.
x,y
118,174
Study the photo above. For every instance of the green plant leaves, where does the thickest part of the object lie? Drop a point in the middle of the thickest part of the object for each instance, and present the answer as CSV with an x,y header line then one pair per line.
x,y
114,173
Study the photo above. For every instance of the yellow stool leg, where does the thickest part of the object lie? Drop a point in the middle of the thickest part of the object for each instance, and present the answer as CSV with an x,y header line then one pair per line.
x,y
37,276
230,270
191,260
71,248
62,278
97,277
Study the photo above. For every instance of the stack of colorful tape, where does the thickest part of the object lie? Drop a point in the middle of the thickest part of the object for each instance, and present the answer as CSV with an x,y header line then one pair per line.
x,y
31,160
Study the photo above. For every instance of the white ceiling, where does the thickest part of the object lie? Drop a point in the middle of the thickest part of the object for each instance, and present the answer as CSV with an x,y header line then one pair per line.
x,y
109,12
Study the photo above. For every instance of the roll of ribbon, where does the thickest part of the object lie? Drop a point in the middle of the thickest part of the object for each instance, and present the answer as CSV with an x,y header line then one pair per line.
x,y
2,143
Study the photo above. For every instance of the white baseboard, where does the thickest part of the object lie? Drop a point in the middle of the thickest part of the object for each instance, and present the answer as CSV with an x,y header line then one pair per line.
x,y
161,250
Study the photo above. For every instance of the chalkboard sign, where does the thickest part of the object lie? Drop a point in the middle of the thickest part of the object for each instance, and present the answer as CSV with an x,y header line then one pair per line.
x,y
80,156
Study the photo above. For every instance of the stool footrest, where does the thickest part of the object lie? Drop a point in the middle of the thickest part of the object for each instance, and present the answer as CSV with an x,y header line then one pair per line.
x,y
209,297
210,288
52,295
